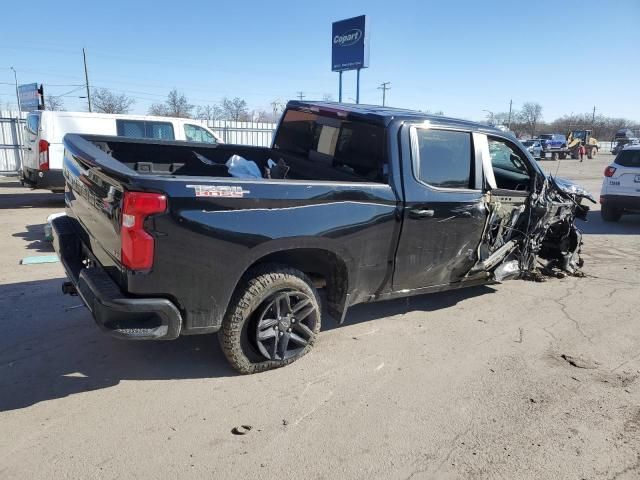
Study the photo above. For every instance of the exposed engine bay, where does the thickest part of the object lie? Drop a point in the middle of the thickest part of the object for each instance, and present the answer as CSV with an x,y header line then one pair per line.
x,y
533,235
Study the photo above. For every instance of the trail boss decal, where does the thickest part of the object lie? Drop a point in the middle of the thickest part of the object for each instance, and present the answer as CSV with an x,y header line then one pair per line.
x,y
225,191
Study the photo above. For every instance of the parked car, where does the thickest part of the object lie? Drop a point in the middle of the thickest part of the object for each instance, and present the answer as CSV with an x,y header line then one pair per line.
x,y
620,193
553,141
534,147
365,203
44,131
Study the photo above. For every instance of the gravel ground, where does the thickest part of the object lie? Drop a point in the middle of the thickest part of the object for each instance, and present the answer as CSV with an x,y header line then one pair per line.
x,y
519,380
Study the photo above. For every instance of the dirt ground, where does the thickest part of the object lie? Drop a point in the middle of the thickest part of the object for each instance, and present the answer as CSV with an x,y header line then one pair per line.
x,y
519,380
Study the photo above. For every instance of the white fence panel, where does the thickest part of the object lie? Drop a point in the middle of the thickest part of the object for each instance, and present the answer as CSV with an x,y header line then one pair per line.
x,y
10,141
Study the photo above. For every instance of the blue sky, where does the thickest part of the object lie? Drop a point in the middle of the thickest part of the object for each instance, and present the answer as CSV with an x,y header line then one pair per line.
x,y
461,57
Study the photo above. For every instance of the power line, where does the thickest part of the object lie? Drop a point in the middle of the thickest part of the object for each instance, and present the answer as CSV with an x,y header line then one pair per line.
x,y
384,86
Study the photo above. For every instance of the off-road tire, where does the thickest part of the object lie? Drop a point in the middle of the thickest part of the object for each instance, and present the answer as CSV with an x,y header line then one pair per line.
x,y
563,156
610,214
591,153
258,286
554,156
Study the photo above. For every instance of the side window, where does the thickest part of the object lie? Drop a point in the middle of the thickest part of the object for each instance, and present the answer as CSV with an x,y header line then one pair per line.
x,y
33,123
194,133
144,129
509,165
444,158
320,147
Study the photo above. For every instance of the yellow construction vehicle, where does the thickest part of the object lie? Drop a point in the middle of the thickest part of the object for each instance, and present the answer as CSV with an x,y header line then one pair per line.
x,y
576,138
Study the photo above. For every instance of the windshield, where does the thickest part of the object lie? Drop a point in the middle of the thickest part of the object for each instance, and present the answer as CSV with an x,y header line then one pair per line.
x,y
628,158
545,136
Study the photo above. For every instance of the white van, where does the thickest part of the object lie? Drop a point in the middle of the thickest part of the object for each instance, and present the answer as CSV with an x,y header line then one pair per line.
x,y
44,131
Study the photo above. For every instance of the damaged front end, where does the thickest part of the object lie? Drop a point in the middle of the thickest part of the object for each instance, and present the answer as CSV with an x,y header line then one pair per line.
x,y
532,235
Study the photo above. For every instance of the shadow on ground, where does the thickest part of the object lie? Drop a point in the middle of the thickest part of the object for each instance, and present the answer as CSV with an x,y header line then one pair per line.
x,y
24,197
50,347
627,225
34,234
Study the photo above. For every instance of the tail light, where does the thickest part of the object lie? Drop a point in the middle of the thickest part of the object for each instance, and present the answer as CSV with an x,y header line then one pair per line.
x,y
137,245
609,171
43,155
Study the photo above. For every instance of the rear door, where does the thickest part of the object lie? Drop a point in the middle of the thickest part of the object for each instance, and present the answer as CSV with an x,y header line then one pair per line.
x,y
31,138
628,172
445,213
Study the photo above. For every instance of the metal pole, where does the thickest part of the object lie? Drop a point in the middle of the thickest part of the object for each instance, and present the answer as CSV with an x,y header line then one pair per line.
x,y
358,86
340,86
18,119
593,117
86,78
509,122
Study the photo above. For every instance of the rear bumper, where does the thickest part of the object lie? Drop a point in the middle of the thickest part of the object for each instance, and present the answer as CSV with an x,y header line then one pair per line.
x,y
627,203
114,312
49,180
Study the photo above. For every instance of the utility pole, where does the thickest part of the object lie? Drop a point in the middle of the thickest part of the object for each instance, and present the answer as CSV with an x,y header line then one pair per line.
x,y
384,86
275,105
86,78
593,117
509,121
301,95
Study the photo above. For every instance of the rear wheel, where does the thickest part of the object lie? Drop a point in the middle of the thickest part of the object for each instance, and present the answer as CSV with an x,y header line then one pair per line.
x,y
554,156
591,153
610,214
273,320
563,156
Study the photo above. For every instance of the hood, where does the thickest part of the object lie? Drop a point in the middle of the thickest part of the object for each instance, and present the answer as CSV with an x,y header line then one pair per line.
x,y
567,186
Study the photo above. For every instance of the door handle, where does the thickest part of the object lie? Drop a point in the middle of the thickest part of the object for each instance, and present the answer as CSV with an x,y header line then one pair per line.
x,y
421,212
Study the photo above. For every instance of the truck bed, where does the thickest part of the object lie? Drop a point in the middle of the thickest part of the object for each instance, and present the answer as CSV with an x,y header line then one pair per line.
x,y
215,227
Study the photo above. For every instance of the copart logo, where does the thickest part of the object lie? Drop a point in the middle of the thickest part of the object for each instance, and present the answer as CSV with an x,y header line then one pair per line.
x,y
348,38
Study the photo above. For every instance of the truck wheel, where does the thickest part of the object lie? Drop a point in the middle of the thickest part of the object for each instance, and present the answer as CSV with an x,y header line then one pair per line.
x,y
610,214
554,156
273,320
563,156
591,153
575,155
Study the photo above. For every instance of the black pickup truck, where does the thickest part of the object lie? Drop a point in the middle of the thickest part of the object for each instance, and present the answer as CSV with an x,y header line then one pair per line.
x,y
351,204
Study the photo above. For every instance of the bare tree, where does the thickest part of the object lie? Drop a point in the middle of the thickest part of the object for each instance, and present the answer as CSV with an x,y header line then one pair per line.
x,y
176,105
235,109
327,97
530,115
209,112
105,101
54,103
261,116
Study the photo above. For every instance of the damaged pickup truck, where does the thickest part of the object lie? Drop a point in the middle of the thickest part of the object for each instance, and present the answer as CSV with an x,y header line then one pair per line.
x,y
351,204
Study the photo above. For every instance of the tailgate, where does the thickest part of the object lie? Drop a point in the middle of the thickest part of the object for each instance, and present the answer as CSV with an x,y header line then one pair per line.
x,y
94,198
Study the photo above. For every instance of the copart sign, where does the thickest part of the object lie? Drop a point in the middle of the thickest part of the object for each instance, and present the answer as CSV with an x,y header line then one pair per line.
x,y
350,44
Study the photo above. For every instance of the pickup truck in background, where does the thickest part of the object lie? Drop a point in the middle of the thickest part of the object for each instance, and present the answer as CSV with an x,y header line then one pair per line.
x,y
353,204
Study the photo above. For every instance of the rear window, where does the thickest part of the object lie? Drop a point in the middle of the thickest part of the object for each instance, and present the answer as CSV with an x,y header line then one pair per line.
x,y
354,149
33,123
628,158
145,129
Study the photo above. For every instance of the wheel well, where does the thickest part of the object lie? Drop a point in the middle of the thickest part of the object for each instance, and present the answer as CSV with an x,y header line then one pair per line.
x,y
324,267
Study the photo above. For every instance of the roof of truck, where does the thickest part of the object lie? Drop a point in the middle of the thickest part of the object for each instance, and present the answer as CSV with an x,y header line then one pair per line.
x,y
385,115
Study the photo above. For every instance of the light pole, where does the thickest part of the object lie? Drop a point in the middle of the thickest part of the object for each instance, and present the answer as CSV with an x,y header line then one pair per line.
x,y
18,118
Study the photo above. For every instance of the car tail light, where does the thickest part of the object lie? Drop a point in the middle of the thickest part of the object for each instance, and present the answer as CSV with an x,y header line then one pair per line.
x,y
137,245
43,155
609,171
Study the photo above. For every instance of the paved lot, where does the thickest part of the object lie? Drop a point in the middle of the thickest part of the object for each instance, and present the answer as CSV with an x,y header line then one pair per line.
x,y
520,380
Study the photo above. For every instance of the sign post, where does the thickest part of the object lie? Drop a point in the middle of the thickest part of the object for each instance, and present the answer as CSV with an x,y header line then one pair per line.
x,y
350,49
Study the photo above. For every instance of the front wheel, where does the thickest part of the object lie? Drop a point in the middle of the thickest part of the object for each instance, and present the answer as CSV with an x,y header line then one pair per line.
x,y
273,320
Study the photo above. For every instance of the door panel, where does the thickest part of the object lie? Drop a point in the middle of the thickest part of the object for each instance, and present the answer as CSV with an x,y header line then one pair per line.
x,y
442,227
